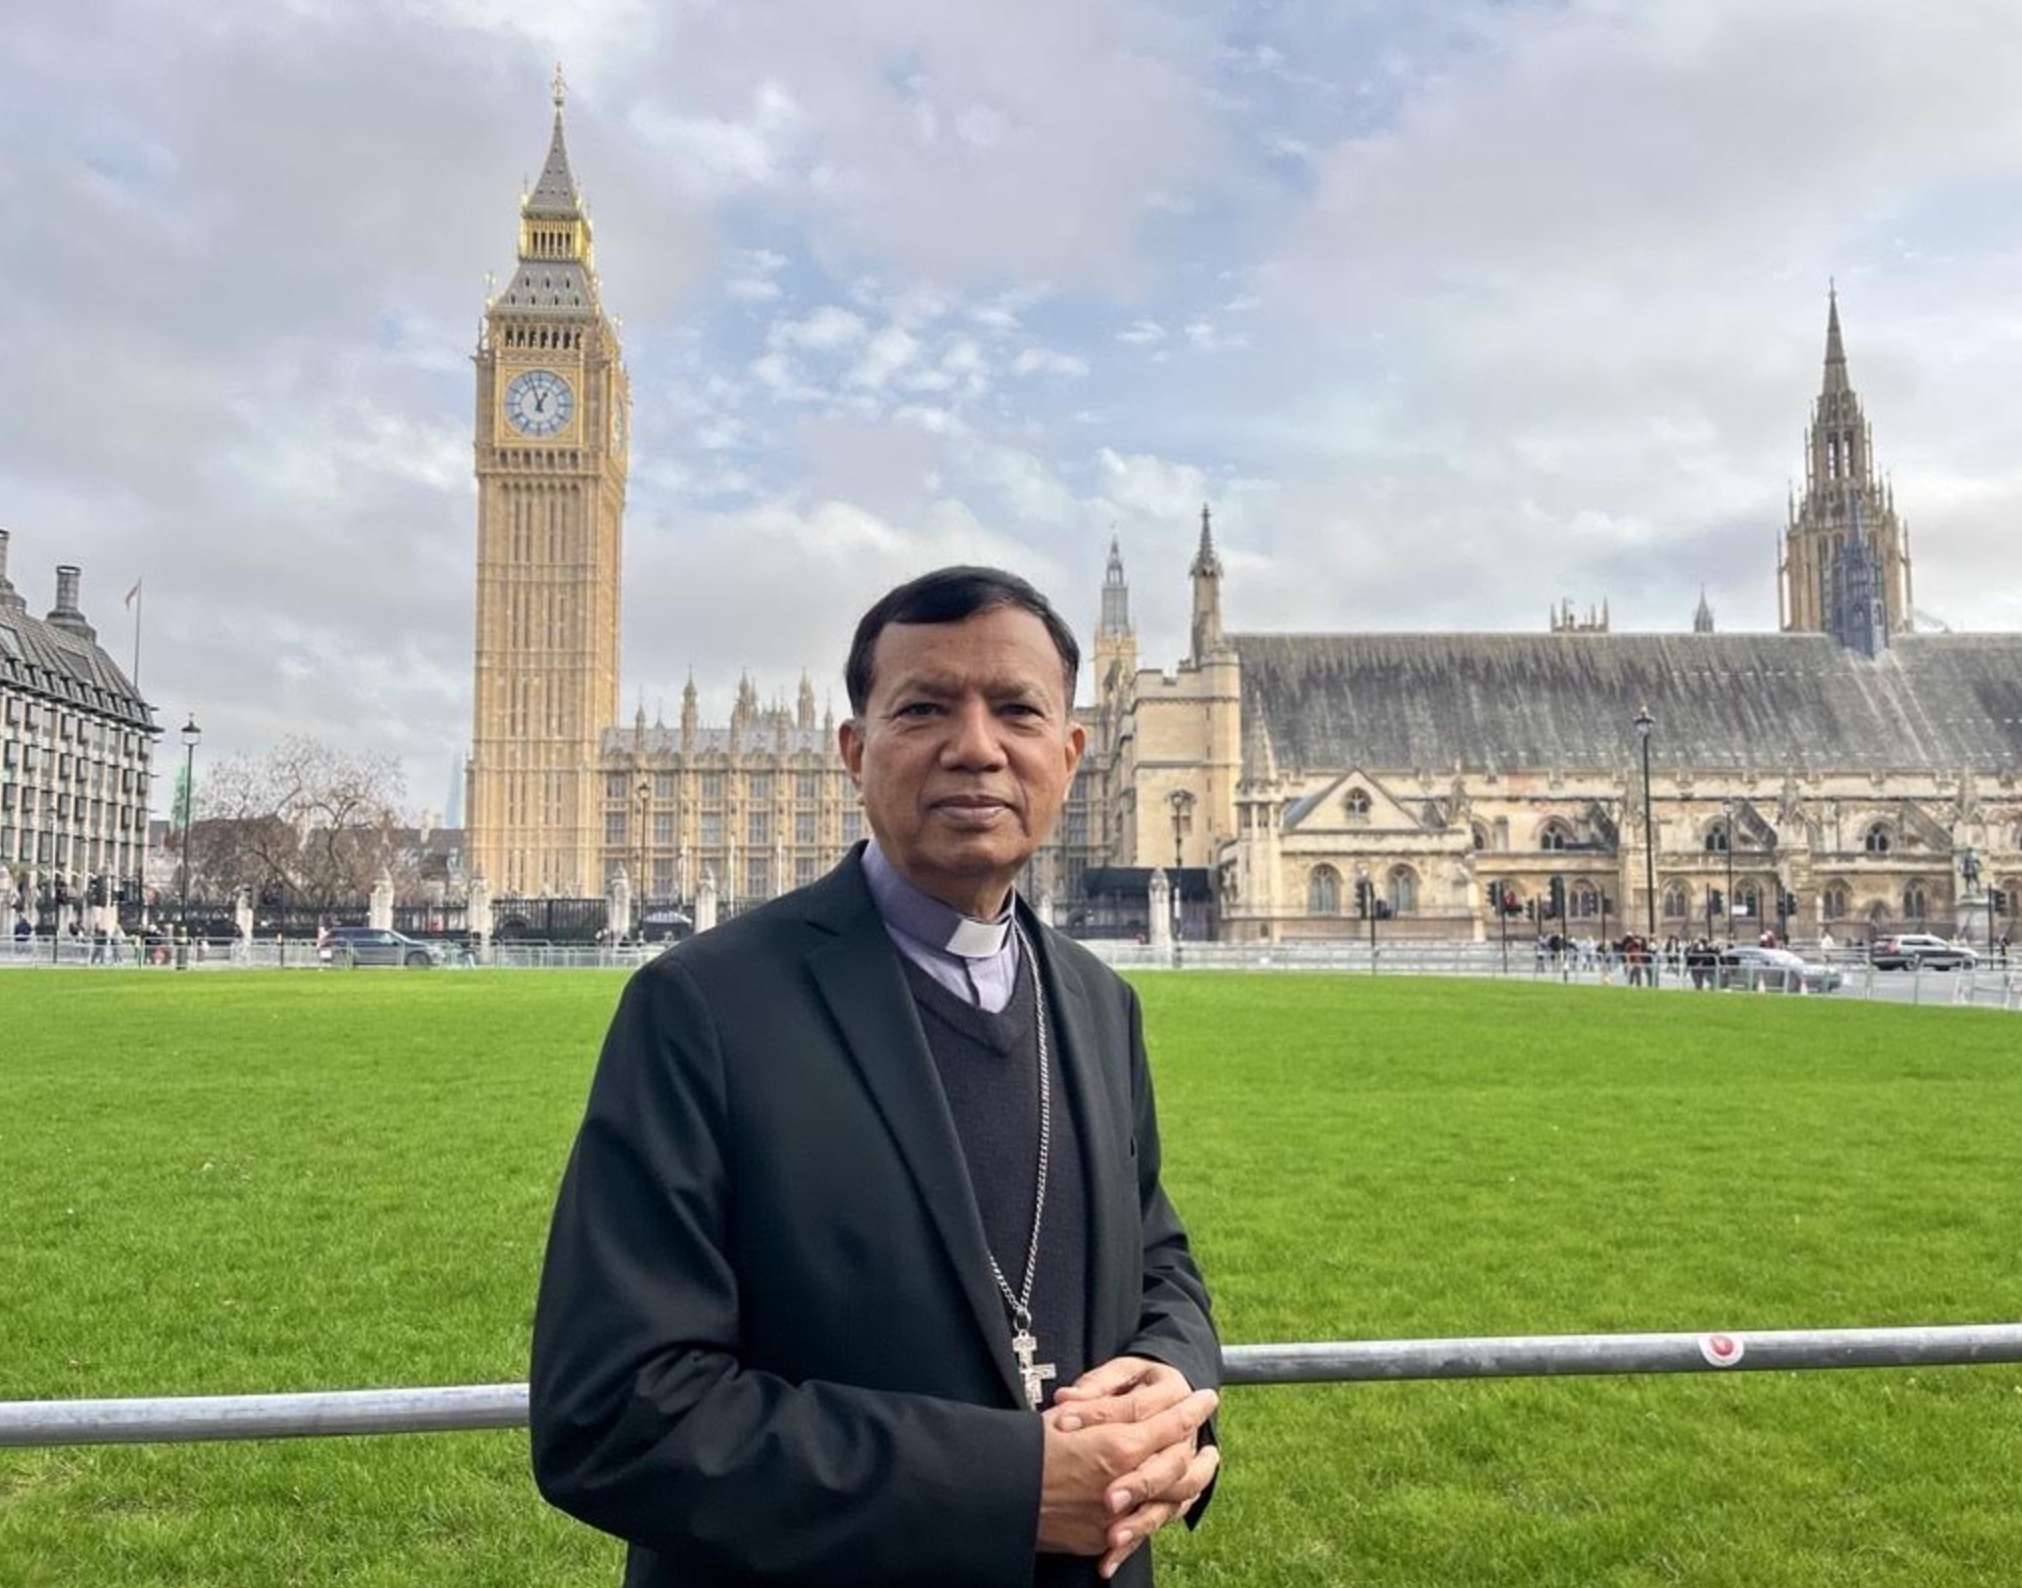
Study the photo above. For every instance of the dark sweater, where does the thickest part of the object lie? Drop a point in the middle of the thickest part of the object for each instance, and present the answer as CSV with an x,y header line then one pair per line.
x,y
989,1065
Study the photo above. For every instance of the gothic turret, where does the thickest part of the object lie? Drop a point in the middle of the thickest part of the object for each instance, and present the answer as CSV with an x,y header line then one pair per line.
x,y
1114,661
1702,615
1846,554
1206,573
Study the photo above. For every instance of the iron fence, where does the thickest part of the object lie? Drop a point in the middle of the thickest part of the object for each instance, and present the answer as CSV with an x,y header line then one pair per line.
x,y
456,1408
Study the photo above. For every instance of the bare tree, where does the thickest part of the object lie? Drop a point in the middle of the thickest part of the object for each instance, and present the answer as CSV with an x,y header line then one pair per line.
x,y
306,820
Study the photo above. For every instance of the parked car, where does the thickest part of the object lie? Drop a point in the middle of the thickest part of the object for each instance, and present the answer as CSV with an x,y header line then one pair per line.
x,y
346,946
1926,950
1776,969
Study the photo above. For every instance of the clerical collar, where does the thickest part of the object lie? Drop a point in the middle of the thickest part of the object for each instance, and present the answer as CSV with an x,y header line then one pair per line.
x,y
929,921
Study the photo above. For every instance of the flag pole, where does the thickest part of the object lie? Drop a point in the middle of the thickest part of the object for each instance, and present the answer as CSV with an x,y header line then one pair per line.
x,y
136,598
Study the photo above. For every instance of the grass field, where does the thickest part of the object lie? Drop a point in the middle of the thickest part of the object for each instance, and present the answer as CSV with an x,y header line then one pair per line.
x,y
228,1183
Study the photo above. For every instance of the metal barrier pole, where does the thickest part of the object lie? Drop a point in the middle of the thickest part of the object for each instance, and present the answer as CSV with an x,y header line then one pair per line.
x,y
478,1406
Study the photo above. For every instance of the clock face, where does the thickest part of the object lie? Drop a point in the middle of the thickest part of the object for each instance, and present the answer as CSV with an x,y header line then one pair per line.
x,y
539,402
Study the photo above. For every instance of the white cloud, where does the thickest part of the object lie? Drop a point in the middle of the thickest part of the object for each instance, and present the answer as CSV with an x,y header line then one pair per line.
x,y
1141,333
1046,361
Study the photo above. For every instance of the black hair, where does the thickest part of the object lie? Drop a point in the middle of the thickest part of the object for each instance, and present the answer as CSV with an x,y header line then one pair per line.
x,y
948,595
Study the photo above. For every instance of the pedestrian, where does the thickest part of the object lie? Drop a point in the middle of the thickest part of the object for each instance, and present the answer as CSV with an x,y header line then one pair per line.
x,y
809,1315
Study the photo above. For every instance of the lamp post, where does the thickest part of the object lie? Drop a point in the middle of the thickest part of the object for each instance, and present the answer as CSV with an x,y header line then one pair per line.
x,y
642,796
1182,802
191,734
1644,723
1727,844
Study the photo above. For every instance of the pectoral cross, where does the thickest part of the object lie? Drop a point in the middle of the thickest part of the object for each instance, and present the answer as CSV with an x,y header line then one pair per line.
x,y
1035,1374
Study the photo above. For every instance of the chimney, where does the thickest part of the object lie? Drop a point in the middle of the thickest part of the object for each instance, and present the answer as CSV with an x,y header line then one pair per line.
x,y
65,614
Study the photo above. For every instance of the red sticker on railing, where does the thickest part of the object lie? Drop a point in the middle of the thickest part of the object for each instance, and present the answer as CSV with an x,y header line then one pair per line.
x,y
1721,1350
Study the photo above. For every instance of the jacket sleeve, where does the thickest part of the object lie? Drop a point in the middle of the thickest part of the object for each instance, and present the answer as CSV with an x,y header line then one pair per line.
x,y
1176,1321
645,1421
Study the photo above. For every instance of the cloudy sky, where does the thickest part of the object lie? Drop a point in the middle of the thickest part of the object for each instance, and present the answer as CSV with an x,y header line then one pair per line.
x,y
1451,308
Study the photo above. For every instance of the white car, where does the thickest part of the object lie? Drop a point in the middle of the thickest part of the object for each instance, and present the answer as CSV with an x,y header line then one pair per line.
x,y
1922,950
1777,969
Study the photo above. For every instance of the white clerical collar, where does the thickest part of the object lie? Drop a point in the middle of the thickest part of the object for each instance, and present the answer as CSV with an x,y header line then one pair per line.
x,y
927,919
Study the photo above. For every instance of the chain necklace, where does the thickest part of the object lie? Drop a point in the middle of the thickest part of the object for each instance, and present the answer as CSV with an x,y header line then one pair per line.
x,y
1023,1344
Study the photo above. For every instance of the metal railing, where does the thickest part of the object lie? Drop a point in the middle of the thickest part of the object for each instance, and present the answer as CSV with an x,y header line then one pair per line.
x,y
445,1409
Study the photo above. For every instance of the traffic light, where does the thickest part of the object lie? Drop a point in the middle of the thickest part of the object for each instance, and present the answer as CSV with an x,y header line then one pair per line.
x,y
1509,902
2003,902
1558,889
1363,893
95,889
1714,902
1531,908
1789,905
1494,898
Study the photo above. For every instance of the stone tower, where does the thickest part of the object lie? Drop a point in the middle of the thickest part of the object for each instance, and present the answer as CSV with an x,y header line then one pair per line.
x,y
551,420
1845,569
1206,574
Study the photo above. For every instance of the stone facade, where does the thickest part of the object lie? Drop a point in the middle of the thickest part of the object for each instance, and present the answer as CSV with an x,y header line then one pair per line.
x,y
1842,776
76,751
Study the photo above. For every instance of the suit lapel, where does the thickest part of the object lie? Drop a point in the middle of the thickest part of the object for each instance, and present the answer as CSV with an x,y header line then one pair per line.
x,y
859,978
1102,1113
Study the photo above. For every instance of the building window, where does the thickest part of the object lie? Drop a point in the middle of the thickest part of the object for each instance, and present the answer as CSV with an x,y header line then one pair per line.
x,y
1676,904
757,883
1323,891
758,785
663,827
664,785
1877,840
712,829
1748,902
1403,891
1586,901
712,787
1356,805
803,870
806,787
614,786
1915,902
803,827
614,827
1832,904
758,827
1554,836
1716,839
1480,836
852,823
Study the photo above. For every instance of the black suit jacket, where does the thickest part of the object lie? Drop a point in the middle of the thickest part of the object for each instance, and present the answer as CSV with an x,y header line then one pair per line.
x,y
767,1347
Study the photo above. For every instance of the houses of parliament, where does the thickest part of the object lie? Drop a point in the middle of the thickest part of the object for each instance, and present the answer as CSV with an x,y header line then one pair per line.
x,y
1847,774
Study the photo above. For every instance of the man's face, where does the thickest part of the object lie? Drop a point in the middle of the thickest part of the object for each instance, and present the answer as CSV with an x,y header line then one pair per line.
x,y
964,752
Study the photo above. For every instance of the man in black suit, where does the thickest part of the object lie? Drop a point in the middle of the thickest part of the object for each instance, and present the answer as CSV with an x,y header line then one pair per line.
x,y
862,1272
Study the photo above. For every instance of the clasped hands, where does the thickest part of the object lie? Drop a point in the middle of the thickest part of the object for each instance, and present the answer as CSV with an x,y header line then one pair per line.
x,y
1122,1458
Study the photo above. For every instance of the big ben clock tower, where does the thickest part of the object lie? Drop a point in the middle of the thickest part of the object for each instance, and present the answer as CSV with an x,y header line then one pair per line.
x,y
552,401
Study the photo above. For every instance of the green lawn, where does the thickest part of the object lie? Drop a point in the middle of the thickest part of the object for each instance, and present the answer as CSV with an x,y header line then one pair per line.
x,y
225,1183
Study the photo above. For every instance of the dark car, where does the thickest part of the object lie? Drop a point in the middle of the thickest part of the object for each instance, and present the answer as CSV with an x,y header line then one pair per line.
x,y
346,946
1922,950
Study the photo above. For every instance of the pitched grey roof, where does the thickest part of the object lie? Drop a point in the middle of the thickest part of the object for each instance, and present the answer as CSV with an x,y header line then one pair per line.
x,y
551,285
56,662
1409,702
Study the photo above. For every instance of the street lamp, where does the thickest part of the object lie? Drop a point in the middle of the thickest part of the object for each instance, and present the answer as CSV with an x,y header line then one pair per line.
x,y
1727,843
191,734
1182,802
642,795
1644,723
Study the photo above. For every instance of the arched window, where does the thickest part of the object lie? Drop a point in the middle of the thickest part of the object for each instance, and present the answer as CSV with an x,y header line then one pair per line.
x,y
1676,904
1915,902
1323,891
1554,835
1586,900
1716,839
1357,805
1832,903
1877,840
1748,900
1403,890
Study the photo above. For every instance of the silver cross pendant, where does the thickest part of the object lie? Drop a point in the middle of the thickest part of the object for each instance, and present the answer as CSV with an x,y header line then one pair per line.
x,y
1035,1374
